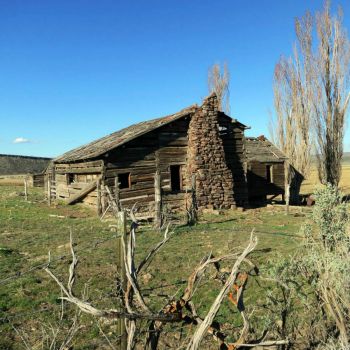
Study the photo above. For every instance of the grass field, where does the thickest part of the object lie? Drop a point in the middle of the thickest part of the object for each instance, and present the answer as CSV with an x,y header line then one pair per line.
x,y
12,180
313,182
29,230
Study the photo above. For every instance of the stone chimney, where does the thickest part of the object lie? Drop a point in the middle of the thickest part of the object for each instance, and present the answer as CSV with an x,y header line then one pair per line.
x,y
206,158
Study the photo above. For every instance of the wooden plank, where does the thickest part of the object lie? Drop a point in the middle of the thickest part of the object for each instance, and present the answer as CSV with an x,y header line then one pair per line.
x,y
86,190
95,170
131,164
139,199
131,194
142,185
112,170
79,165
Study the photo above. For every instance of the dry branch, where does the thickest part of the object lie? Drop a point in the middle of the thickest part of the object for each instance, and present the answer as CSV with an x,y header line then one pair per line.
x,y
203,327
182,310
110,313
154,250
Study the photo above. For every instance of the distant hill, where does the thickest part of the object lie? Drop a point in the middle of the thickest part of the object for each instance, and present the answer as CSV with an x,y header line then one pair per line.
x,y
14,165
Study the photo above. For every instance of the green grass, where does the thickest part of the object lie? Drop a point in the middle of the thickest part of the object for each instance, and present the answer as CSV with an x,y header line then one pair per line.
x,y
29,230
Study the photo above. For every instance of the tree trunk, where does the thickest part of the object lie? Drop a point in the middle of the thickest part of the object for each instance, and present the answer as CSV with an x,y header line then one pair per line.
x,y
295,185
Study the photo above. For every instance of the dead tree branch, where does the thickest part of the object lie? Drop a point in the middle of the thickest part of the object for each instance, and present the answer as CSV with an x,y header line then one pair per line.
x,y
208,320
181,310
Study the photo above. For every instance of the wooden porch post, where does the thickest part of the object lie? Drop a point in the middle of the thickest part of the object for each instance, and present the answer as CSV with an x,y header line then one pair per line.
x,y
117,192
158,199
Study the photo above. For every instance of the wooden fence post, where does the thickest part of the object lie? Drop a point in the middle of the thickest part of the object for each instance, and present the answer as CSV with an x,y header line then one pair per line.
x,y
25,189
121,229
192,211
287,185
103,191
49,191
98,197
158,199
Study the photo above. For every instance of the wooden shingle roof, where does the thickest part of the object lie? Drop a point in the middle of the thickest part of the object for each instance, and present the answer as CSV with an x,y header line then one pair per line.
x,y
118,138
262,150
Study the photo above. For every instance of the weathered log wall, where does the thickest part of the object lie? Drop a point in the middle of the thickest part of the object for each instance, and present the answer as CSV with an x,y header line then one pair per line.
x,y
39,180
258,186
141,157
71,178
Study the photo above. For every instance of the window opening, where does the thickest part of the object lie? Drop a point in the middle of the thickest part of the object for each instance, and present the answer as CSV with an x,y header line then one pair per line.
x,y
124,180
70,178
269,173
175,177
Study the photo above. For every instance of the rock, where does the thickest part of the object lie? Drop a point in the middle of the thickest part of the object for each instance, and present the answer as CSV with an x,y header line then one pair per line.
x,y
64,246
212,211
226,270
146,277
113,228
310,201
12,194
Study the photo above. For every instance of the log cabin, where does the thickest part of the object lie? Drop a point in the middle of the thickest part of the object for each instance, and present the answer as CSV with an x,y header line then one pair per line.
x,y
265,169
196,155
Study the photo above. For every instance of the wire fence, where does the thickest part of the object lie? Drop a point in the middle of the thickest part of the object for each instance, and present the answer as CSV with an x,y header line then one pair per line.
x,y
23,273
85,248
88,247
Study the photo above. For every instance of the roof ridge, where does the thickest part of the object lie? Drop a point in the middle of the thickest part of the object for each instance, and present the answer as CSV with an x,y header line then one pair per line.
x,y
263,149
99,146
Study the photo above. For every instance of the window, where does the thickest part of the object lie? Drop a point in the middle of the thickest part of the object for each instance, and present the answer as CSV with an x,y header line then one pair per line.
x,y
269,173
70,178
124,180
175,177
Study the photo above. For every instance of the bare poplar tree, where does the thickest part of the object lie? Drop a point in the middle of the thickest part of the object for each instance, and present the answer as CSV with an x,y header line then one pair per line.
x,y
219,82
293,104
311,98
331,93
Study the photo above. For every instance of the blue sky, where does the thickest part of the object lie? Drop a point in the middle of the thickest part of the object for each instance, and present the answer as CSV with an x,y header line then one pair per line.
x,y
72,71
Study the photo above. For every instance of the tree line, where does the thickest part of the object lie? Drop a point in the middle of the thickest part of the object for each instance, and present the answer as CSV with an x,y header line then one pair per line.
x,y
311,98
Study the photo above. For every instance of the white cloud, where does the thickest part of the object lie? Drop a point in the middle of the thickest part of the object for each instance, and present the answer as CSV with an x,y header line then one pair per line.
x,y
21,140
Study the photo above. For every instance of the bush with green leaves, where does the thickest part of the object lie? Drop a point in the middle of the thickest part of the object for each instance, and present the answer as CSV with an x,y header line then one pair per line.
x,y
310,304
325,261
